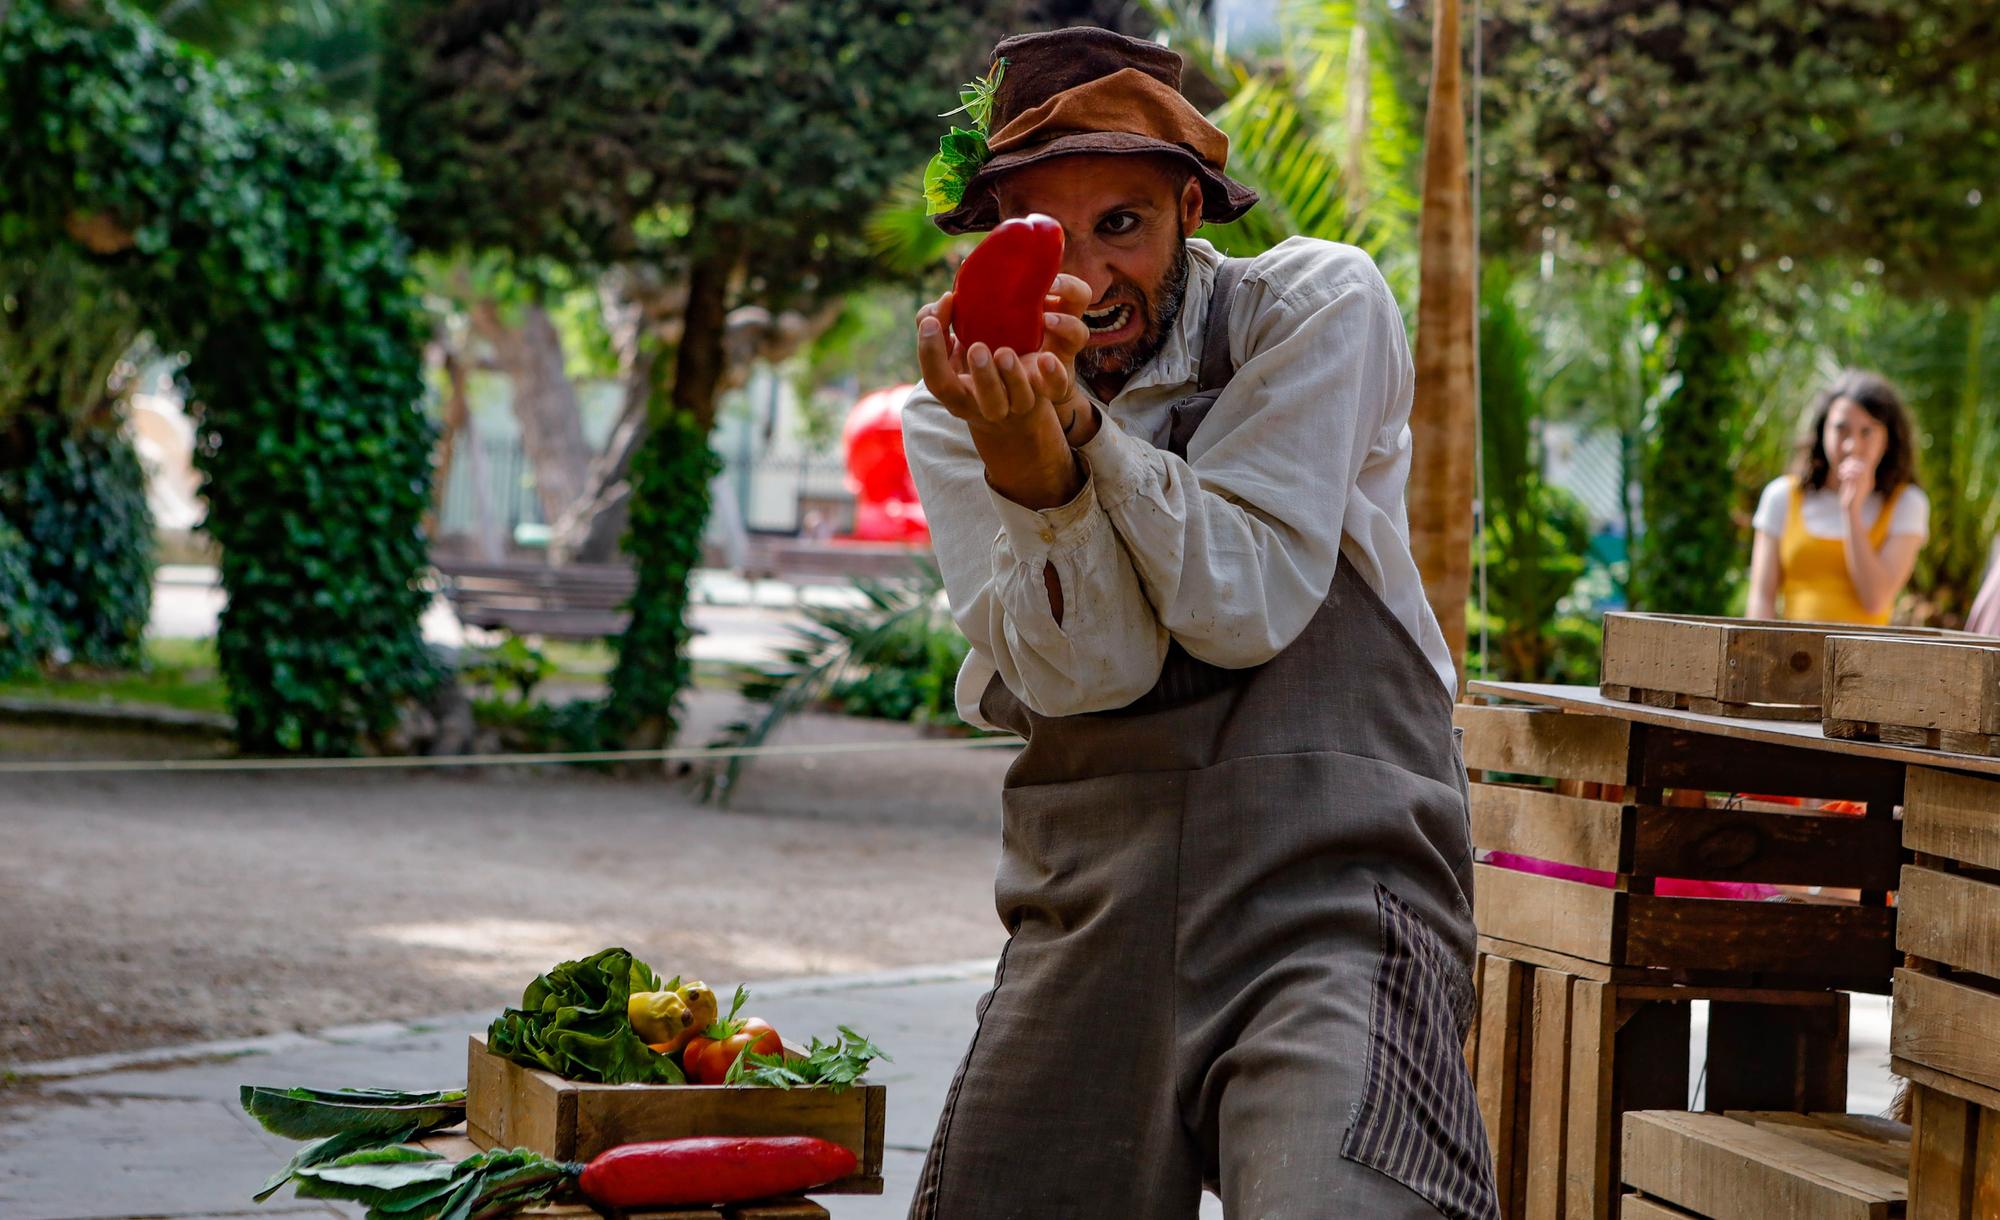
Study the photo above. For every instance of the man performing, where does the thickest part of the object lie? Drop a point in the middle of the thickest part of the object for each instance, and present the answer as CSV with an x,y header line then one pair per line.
x,y
1235,865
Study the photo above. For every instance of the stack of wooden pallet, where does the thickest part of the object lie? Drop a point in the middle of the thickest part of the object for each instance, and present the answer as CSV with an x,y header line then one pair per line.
x,y
1941,694
1585,979
1762,1166
1947,1007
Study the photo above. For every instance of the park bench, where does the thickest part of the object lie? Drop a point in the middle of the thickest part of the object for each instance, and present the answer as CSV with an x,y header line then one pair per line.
x,y
579,601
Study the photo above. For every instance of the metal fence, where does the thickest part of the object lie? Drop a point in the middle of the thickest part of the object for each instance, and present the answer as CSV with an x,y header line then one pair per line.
x,y
773,490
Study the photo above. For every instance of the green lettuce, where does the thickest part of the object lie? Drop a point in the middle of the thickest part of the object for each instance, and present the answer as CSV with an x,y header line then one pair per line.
x,y
572,1022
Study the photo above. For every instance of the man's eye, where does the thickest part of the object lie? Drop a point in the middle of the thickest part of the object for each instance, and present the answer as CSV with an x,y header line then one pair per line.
x,y
1118,224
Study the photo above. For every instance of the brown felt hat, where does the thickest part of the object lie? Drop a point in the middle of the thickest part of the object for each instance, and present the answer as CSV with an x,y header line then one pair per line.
x,y
1087,90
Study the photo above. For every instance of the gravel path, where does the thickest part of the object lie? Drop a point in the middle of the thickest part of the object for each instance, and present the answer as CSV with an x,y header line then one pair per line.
x,y
148,910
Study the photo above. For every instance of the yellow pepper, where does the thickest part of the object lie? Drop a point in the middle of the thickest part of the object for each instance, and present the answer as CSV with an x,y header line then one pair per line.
x,y
659,1016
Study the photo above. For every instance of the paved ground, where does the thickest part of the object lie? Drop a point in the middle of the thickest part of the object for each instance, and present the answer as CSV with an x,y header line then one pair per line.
x,y
109,1140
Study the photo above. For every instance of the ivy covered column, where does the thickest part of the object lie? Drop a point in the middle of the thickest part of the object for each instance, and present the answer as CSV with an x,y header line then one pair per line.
x,y
257,233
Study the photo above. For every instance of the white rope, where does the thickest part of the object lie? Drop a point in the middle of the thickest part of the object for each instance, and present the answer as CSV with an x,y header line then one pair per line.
x,y
1478,294
688,754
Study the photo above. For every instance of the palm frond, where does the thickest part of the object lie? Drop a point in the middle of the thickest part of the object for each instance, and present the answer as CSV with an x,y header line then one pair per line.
x,y
834,642
902,236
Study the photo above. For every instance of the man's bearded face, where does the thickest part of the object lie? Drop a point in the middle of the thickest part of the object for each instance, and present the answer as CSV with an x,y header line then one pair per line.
x,y
1126,219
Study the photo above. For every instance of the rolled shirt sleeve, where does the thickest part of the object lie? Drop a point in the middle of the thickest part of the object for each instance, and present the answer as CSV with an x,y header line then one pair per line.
x,y
993,554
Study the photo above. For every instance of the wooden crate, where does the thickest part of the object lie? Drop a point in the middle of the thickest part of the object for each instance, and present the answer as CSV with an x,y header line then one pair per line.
x,y
1954,1157
1751,1166
1618,805
1947,1004
1558,1055
1724,666
507,1105
1925,693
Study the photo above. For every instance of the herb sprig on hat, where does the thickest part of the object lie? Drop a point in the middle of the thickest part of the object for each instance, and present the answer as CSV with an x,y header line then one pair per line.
x,y
961,152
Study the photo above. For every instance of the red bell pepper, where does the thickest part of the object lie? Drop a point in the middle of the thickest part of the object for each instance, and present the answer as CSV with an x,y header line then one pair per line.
x,y
998,293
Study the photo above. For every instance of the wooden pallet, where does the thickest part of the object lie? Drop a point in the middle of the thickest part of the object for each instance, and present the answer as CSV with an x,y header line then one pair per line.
x,y
1612,810
1558,1056
1932,695
1748,668
1761,1166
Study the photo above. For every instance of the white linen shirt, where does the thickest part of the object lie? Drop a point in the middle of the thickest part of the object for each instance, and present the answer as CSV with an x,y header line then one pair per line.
x,y
1303,460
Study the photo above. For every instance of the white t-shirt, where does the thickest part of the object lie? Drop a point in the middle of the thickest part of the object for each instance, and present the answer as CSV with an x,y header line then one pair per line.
x,y
1823,514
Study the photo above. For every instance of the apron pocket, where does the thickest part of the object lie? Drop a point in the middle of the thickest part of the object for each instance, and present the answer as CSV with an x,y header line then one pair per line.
x,y
1418,1119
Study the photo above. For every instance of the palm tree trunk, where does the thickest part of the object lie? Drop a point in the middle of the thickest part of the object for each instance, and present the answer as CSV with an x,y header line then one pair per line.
x,y
1442,418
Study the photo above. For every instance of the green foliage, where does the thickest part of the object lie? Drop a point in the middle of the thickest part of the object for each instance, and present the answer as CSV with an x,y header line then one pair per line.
x,y
78,499
670,478
1690,558
834,1066
256,232
511,669
25,629
177,673
1536,537
563,129
896,656
1724,133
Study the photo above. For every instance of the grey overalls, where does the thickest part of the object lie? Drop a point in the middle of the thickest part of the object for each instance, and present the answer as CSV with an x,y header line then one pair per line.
x,y
1241,941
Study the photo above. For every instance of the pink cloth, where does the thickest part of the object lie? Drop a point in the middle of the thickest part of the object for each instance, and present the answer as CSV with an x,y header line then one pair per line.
x,y
1671,887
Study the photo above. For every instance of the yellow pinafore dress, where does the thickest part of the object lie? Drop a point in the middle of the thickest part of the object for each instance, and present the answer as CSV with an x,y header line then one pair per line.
x,y
1815,586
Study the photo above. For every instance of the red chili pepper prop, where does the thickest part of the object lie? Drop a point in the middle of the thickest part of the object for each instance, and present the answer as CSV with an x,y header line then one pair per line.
x,y
713,1169
997,295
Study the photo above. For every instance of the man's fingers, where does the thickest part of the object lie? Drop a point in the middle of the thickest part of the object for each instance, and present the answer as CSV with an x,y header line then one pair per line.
x,y
1014,377
1070,294
1064,334
934,360
989,394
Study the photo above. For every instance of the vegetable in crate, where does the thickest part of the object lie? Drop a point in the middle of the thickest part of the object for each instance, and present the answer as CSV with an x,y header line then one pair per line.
x,y
668,1020
998,295
575,1021
709,1057
715,1169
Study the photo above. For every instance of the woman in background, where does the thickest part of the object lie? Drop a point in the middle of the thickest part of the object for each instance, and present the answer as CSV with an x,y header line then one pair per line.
x,y
1838,537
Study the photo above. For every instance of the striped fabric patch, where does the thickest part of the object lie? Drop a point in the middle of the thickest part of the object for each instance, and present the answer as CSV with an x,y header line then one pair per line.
x,y
1418,1121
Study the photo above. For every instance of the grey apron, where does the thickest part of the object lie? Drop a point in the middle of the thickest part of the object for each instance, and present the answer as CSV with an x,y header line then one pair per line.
x,y
1241,940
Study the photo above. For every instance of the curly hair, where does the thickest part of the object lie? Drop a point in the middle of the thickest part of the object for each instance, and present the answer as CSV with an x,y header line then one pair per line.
x,y
1898,467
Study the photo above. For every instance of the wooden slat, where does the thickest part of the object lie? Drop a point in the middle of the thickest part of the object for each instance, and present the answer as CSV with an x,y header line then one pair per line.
x,y
1639,1207
1726,934
1924,684
1986,1167
1880,1142
1727,1170
1664,653
1796,848
1566,916
1941,1155
1525,741
1952,815
1875,779
1980,1095
1504,1037
1711,762
1588,1182
1946,1026
1951,919
776,1209
1548,826
1548,1095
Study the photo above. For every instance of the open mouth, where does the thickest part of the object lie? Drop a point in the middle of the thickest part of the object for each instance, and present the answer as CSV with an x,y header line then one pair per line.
x,y
1108,320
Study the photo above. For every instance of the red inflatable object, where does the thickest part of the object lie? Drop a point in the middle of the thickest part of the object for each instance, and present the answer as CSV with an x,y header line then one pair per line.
x,y
885,496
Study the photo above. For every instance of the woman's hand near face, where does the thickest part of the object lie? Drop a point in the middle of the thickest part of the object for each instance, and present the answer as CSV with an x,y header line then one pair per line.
x,y
1857,482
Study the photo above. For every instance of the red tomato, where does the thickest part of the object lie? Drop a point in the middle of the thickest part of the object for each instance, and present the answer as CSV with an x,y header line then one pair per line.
x,y
708,1060
997,295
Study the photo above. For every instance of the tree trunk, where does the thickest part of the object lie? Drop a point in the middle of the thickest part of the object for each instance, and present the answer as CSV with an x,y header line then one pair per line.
x,y
544,402
1442,416
699,364
486,541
